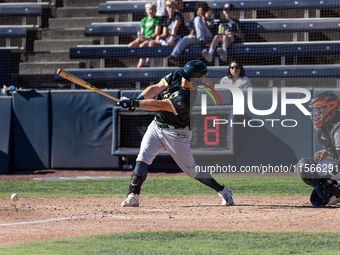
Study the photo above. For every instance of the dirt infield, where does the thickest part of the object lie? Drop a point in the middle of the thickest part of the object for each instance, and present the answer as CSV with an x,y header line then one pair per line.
x,y
33,219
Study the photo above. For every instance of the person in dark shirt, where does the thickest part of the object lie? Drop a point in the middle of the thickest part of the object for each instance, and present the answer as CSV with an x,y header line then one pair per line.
x,y
173,27
200,32
228,32
176,95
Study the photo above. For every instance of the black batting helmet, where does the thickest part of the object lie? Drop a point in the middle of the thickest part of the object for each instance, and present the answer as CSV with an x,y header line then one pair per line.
x,y
194,70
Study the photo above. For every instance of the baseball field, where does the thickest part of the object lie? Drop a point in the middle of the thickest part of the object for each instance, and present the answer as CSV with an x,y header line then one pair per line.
x,y
177,215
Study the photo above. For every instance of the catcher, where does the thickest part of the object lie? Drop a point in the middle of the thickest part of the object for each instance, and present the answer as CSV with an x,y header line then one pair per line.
x,y
322,170
170,128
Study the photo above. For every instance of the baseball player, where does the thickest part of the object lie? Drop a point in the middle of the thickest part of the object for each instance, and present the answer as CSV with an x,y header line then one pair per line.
x,y
322,170
170,128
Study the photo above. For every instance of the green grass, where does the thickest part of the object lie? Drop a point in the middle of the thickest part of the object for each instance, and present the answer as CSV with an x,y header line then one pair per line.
x,y
186,242
156,186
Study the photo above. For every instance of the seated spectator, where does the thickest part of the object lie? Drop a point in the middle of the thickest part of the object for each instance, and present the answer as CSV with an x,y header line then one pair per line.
x,y
173,27
161,11
200,33
150,27
236,76
228,32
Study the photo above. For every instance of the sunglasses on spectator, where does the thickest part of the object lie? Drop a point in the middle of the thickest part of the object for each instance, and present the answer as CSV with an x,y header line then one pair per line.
x,y
233,67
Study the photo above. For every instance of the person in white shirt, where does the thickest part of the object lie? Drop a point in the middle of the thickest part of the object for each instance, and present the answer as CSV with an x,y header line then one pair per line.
x,y
236,76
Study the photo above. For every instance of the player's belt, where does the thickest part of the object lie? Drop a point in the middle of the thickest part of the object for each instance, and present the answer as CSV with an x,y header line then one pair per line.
x,y
161,125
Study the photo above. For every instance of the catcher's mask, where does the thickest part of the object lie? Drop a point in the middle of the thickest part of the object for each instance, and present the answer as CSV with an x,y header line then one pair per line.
x,y
323,106
194,71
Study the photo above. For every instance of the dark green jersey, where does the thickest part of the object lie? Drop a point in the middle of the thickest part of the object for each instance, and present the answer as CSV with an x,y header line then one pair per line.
x,y
179,100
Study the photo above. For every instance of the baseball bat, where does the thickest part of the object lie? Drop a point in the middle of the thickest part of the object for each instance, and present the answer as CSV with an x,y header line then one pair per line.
x,y
82,83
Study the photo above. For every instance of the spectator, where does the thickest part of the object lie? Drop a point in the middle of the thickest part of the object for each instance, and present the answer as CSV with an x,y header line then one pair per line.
x,y
150,28
7,91
200,33
228,32
173,27
161,11
236,76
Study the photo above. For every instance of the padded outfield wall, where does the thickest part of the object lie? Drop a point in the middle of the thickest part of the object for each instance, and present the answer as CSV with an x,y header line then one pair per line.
x,y
77,129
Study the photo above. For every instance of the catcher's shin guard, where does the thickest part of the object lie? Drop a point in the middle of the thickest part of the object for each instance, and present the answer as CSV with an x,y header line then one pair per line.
x,y
311,178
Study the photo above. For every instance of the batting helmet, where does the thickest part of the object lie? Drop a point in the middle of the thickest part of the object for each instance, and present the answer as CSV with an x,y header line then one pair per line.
x,y
194,70
323,106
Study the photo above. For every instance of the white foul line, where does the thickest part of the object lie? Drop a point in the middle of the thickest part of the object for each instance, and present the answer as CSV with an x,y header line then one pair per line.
x,y
78,217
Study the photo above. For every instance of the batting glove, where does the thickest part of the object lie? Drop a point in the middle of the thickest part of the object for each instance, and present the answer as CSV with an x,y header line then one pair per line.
x,y
130,104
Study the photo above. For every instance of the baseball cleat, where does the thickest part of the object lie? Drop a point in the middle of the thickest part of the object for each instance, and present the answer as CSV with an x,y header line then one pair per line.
x,y
132,200
333,200
226,196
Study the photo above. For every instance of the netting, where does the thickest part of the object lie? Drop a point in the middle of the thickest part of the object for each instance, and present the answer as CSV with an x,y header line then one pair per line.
x,y
281,43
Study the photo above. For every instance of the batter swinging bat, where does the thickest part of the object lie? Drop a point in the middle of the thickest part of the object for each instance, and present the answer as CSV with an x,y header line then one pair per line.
x,y
82,83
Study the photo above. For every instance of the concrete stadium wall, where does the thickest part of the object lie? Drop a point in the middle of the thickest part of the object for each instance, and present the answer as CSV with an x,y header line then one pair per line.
x,y
73,130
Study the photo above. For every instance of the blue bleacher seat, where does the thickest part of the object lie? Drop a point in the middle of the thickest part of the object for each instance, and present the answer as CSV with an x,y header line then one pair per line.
x,y
113,29
258,26
13,32
118,75
248,26
275,49
23,10
109,52
261,5
20,10
121,7
9,32
285,49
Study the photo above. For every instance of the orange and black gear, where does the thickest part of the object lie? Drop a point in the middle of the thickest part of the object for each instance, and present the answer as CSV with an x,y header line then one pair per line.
x,y
323,106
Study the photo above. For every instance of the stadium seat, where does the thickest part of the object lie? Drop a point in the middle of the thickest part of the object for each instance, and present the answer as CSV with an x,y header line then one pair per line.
x,y
124,75
115,29
261,5
244,50
21,10
248,26
121,7
130,7
112,29
13,10
9,32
